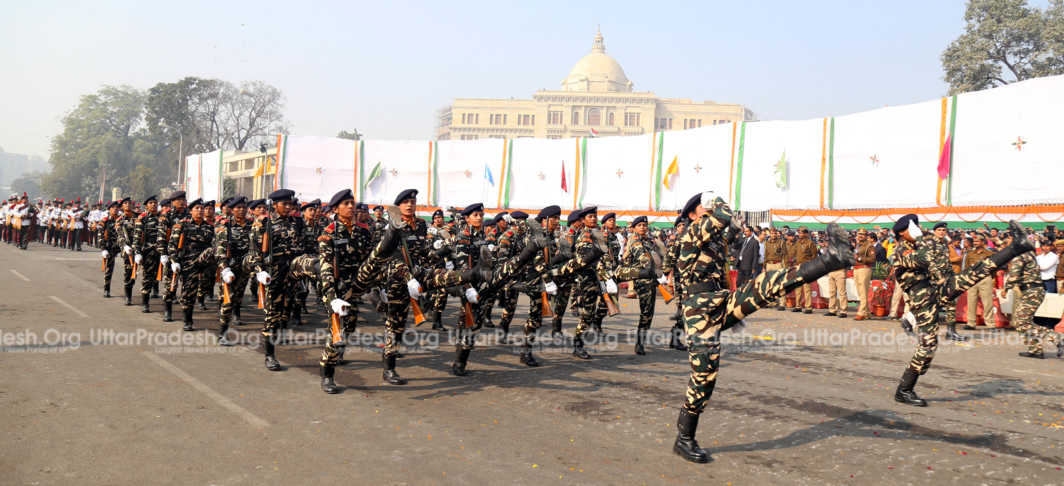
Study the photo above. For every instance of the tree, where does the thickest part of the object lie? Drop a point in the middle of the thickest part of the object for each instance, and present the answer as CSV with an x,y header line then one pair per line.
x,y
29,184
251,114
352,135
1005,41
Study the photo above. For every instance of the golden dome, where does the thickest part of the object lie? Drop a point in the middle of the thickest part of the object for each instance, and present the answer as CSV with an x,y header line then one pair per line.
x,y
597,72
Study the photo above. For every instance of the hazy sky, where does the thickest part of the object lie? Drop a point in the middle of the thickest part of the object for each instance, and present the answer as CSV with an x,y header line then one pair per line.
x,y
385,67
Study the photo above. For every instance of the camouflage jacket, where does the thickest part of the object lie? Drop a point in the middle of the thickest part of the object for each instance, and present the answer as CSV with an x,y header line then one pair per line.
x,y
939,265
146,233
190,241
309,233
912,263
466,243
1023,272
107,234
165,227
341,249
637,254
282,240
232,242
126,226
701,257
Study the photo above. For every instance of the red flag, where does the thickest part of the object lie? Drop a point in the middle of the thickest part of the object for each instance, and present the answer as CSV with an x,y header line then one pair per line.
x,y
944,159
565,187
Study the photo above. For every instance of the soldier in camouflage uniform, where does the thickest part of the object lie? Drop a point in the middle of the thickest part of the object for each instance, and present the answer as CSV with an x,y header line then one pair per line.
x,y
590,281
342,247
208,275
190,251
177,212
231,247
1024,276
145,235
709,308
438,231
274,243
941,270
509,243
107,231
672,253
565,240
126,227
607,264
467,242
538,279
913,258
309,229
638,266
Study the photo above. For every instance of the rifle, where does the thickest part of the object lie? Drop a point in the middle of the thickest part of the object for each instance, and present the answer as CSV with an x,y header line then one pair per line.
x,y
655,258
225,286
611,306
267,249
334,318
395,216
536,230
180,244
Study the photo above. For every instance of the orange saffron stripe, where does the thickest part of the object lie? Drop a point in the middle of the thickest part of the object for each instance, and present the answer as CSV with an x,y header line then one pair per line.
x,y
731,174
941,145
502,174
653,152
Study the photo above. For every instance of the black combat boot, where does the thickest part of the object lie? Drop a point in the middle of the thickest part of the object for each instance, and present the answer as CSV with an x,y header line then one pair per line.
x,y
1028,354
578,348
327,383
686,446
297,315
155,290
951,333
188,320
129,295
504,324
437,321
676,341
271,361
390,376
837,255
1019,246
905,393
168,312
526,356
236,314
556,326
460,360
640,336
107,291
144,302
202,302
223,335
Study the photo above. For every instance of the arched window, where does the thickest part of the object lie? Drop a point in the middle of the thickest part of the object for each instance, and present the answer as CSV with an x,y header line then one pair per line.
x,y
594,117
609,119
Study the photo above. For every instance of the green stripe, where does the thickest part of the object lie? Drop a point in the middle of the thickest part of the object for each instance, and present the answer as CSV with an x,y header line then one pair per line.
x,y
436,174
739,168
583,171
658,179
508,175
831,167
952,150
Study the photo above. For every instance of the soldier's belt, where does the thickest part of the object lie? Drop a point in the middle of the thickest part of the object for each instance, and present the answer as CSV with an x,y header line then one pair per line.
x,y
702,287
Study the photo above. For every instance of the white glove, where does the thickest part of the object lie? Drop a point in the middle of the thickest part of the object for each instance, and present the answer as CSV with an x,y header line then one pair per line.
x,y
227,275
437,244
914,230
339,307
471,295
137,258
175,267
126,249
448,265
104,254
414,287
383,294
164,259
263,278
433,230
663,280
506,217
491,247
707,199
611,286
550,288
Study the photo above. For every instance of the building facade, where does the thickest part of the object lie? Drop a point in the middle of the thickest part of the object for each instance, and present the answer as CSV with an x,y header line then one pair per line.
x,y
595,99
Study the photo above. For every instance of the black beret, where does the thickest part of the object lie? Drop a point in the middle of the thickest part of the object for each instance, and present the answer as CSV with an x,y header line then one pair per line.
x,y
588,210
607,216
225,202
472,208
378,208
342,196
256,203
940,224
150,199
574,216
362,207
309,204
209,203
491,222
114,204
403,196
197,202
498,217
236,201
548,212
177,195
902,223
691,204
520,215
438,212
125,200
281,195
640,219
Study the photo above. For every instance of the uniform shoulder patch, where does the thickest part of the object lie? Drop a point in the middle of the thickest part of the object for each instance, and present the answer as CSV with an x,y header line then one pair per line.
x,y
362,225
325,237
331,228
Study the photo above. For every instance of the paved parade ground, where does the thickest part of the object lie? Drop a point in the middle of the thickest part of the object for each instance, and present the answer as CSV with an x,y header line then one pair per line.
x,y
95,392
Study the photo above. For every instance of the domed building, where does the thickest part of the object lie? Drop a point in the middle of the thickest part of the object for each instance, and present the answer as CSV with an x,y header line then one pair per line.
x,y
596,98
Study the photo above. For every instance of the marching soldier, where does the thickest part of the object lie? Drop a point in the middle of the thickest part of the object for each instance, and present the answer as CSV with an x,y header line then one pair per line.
x,y
590,282
709,308
913,258
538,277
274,243
165,228
145,236
566,240
189,250
637,266
509,243
607,264
209,274
231,246
672,254
1024,276
108,240
126,229
437,231
941,270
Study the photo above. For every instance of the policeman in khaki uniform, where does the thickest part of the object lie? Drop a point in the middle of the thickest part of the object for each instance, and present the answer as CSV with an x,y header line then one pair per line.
x,y
982,290
865,253
774,254
836,293
803,250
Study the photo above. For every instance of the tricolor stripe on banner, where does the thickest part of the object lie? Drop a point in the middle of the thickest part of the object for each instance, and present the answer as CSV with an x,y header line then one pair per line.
x,y
356,183
429,186
653,158
739,169
658,175
583,170
199,176
278,171
576,175
506,173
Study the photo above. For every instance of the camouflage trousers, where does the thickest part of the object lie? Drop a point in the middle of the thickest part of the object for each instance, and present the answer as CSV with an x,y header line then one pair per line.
x,y
331,354
241,275
1034,336
706,314
535,316
208,277
438,299
925,303
647,290
276,297
128,279
169,292
508,300
190,278
586,297
149,265
560,301
109,269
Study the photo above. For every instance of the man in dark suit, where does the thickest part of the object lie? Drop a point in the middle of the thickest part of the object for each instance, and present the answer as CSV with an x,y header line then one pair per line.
x,y
749,256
